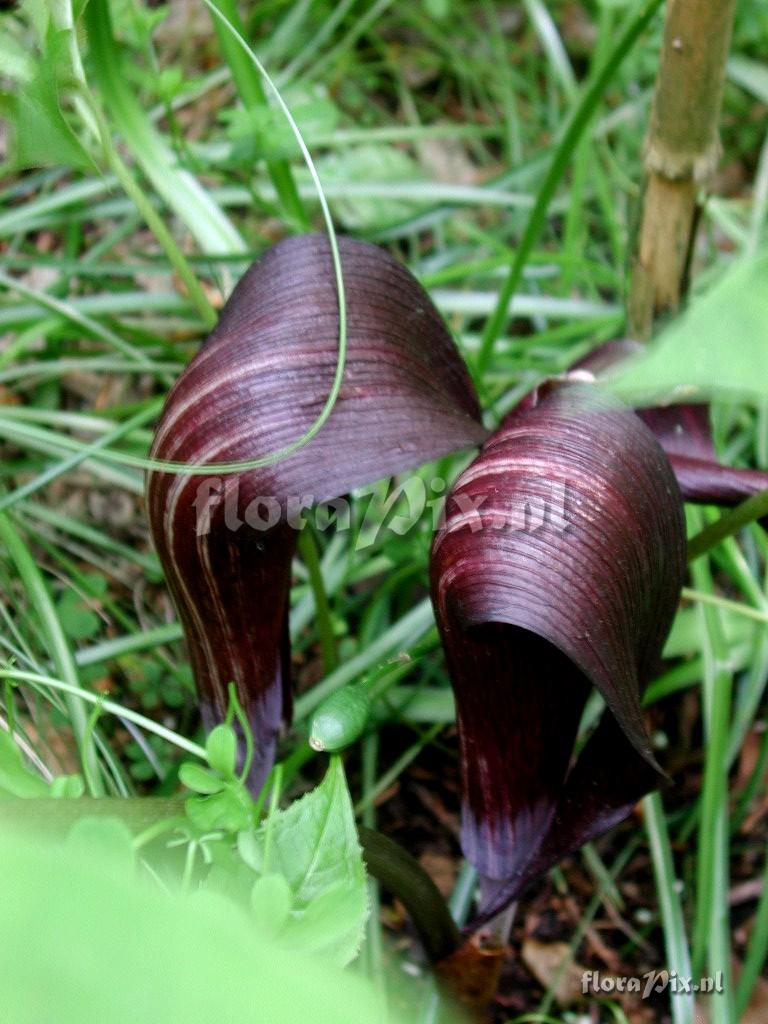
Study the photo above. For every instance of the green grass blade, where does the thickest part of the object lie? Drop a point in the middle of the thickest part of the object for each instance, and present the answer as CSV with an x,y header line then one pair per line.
x,y
71,690
53,637
711,926
757,952
178,188
249,86
560,160
675,938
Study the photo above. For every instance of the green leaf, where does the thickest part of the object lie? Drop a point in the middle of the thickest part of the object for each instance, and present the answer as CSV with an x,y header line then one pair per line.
x,y
67,787
109,839
438,9
195,777
221,748
15,778
314,845
95,584
231,809
381,164
228,875
751,75
78,621
137,21
36,12
715,350
264,133
14,59
324,922
250,846
170,82
149,955
271,903
43,138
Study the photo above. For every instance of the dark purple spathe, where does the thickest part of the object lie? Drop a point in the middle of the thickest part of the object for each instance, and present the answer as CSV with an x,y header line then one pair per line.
x,y
258,384
536,607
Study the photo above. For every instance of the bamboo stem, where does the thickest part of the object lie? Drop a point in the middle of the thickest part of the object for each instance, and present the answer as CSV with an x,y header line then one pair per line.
x,y
682,151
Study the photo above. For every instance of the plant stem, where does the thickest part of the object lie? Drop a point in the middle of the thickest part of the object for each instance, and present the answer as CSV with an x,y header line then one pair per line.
x,y
155,223
373,948
681,152
711,925
311,559
402,875
459,904
49,682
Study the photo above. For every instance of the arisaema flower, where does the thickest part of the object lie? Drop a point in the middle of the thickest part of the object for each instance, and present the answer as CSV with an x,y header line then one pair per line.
x,y
259,382
556,571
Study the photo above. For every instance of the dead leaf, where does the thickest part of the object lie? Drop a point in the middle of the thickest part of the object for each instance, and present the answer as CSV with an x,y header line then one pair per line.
x,y
447,160
441,869
553,966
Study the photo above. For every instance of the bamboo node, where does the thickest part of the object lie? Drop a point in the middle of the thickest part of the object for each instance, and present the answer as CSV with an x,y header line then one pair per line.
x,y
675,165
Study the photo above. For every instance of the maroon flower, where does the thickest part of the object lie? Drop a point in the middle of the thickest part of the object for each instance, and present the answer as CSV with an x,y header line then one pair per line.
x,y
558,568
257,384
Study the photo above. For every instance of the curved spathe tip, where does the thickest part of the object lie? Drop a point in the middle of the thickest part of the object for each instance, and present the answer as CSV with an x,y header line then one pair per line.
x,y
558,568
256,386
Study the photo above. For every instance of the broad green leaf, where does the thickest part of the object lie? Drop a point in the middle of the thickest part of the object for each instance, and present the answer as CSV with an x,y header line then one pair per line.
x,y
717,349
15,778
382,164
264,133
325,919
42,136
78,621
271,903
314,845
81,944
109,839
15,61
230,809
